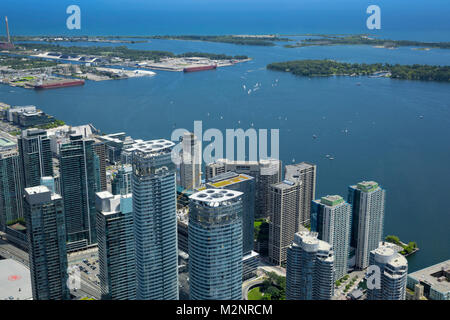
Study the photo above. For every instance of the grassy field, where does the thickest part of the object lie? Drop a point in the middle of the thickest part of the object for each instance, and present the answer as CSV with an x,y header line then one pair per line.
x,y
255,294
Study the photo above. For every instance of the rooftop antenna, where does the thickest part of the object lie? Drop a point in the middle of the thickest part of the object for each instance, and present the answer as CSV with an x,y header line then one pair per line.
x,y
7,30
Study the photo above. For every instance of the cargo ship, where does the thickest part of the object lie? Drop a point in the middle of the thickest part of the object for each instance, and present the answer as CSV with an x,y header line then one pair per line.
x,y
200,68
59,84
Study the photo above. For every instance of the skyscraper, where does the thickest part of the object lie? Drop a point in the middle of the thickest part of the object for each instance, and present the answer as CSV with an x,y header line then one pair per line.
x,y
245,184
116,247
44,215
215,245
79,183
266,172
332,223
35,156
368,202
155,220
283,217
191,165
304,174
310,268
393,271
11,205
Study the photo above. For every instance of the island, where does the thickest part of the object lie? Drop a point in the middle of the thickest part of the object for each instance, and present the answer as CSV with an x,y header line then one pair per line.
x,y
364,39
252,40
327,68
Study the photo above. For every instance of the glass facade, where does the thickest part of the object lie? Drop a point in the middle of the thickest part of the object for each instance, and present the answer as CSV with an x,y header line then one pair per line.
x,y
215,245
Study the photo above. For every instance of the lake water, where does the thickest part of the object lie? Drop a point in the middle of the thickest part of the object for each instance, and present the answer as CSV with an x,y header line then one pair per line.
x,y
386,139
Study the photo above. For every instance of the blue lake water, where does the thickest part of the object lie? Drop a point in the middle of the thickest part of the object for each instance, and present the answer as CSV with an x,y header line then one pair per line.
x,y
387,141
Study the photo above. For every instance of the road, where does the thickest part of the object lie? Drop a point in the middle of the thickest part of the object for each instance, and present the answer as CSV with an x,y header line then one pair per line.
x,y
250,283
339,293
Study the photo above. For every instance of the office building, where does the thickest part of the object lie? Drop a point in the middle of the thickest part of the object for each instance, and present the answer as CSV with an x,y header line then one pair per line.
x,y
35,156
303,174
116,247
368,202
215,245
393,269
191,162
331,216
11,205
79,183
155,220
310,268
434,281
44,215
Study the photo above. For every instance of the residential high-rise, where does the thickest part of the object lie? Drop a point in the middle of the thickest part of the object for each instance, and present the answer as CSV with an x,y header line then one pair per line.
x,y
368,202
155,220
44,215
215,245
79,183
35,156
266,172
11,205
393,271
116,247
245,184
283,217
310,268
191,162
331,220
304,174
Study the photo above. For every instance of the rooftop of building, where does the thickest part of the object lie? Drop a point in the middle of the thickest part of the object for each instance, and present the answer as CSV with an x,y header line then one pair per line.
x,y
151,147
39,194
15,281
107,203
215,197
227,179
437,276
332,201
367,186
387,254
283,185
310,242
6,142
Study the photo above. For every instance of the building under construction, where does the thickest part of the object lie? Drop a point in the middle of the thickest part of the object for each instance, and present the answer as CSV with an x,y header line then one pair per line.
x,y
8,45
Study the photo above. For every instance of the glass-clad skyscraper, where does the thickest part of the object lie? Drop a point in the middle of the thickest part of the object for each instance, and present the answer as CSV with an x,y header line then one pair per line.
x,y
116,247
11,202
215,245
79,183
35,156
44,215
155,220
